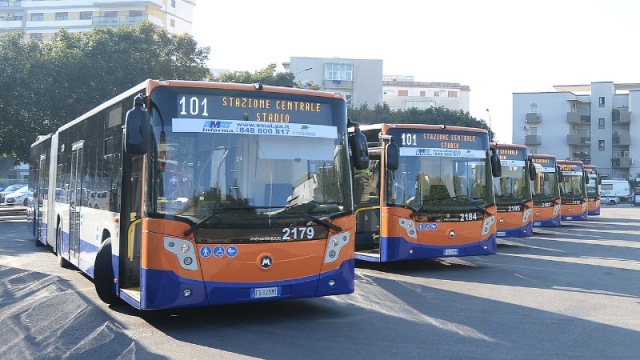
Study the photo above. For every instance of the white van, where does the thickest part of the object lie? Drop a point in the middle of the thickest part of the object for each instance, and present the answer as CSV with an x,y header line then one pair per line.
x,y
615,188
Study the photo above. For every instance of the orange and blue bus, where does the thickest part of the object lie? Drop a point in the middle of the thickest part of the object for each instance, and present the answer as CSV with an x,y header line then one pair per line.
x,y
427,193
182,194
513,191
573,190
546,191
593,189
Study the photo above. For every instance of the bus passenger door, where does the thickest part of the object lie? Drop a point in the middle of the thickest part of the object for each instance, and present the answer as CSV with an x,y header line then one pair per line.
x,y
39,196
75,200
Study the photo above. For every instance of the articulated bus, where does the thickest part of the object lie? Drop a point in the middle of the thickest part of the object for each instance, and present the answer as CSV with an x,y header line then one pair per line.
x,y
593,189
202,194
546,191
427,193
513,191
573,190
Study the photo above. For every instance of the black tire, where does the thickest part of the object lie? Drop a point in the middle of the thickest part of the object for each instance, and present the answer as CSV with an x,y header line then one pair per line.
x,y
103,274
64,263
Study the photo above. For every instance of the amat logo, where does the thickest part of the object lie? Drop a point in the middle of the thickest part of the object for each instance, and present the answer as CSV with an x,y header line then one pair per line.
x,y
266,261
217,124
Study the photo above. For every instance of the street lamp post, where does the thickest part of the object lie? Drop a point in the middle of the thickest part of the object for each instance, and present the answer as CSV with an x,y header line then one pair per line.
x,y
303,70
489,117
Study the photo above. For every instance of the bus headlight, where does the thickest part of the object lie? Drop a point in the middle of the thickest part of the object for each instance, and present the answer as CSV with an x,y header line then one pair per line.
x,y
409,226
487,224
183,250
334,245
526,215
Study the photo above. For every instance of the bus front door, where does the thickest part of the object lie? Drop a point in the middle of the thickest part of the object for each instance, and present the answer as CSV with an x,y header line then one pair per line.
x,y
76,197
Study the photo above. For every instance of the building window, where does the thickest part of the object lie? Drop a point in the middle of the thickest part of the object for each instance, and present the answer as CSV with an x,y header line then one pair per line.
x,y
111,14
61,16
173,3
403,92
135,16
600,145
37,17
172,23
338,72
453,93
423,93
600,123
86,15
601,101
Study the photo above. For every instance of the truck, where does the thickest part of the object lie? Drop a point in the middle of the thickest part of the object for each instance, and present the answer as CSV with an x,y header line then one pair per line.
x,y
610,189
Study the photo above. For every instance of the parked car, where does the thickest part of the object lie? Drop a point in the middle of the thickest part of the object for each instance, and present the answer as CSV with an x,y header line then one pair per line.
x,y
610,200
9,189
19,197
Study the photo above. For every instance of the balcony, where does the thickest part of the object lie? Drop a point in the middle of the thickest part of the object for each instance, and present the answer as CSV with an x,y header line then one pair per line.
x,y
533,140
532,118
578,140
575,118
118,20
622,162
620,116
621,140
337,84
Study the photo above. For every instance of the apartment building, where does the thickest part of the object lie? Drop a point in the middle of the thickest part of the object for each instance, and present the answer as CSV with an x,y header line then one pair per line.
x,y
402,92
362,82
43,18
597,123
359,80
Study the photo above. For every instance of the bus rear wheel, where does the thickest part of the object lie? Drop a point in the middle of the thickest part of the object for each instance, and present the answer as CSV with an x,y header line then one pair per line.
x,y
103,274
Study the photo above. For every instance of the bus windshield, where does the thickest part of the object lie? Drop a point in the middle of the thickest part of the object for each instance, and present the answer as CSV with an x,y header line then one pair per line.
x,y
546,184
573,184
245,174
512,183
432,179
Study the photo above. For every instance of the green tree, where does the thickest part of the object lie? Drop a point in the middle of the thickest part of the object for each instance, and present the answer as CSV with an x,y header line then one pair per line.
x,y
266,76
47,84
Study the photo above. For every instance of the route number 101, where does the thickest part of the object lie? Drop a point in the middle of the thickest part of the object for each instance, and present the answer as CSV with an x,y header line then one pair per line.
x,y
409,140
193,106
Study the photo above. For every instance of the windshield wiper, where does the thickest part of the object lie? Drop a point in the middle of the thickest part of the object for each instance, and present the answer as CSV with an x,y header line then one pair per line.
x,y
323,222
197,225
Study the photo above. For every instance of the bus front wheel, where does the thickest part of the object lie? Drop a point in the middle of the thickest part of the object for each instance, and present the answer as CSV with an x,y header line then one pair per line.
x,y
103,274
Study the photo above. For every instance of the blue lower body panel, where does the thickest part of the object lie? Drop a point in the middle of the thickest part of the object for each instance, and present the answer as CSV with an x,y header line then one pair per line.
x,y
522,231
578,217
165,290
397,249
553,222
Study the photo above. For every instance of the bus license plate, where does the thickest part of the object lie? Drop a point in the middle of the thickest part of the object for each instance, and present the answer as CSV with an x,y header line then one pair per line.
x,y
450,251
258,293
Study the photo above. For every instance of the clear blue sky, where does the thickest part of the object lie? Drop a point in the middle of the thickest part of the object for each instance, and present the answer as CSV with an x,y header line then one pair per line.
x,y
496,47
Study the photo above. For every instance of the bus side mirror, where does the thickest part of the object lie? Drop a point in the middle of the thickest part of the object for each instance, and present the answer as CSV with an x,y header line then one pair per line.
x,y
532,170
496,166
392,155
359,150
560,175
137,128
